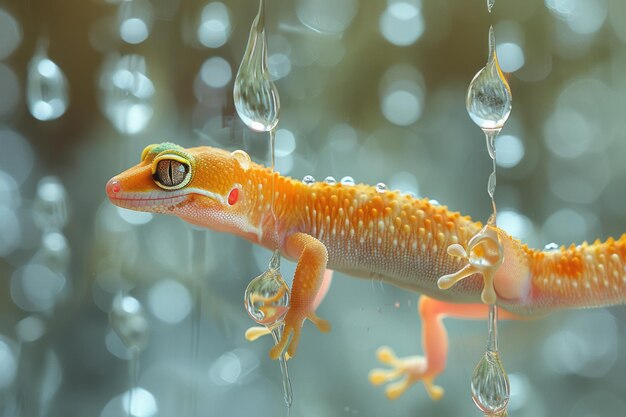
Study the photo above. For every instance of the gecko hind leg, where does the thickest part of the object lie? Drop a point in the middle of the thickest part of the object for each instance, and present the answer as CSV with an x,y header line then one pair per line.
x,y
435,345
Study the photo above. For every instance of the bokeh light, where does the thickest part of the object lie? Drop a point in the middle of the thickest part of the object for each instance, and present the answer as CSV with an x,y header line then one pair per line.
x,y
402,23
215,27
10,33
216,72
402,95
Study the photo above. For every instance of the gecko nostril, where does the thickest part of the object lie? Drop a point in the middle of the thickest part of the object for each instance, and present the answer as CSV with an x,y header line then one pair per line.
x,y
113,187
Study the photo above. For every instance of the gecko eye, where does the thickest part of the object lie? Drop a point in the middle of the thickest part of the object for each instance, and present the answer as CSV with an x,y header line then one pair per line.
x,y
171,174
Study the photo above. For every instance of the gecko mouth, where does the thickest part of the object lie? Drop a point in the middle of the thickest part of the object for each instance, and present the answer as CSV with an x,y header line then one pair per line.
x,y
147,201
156,200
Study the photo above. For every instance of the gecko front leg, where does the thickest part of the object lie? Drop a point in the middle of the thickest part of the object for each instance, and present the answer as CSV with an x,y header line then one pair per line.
x,y
307,281
254,332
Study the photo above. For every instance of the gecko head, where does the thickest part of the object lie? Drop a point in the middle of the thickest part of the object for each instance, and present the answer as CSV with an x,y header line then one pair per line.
x,y
203,185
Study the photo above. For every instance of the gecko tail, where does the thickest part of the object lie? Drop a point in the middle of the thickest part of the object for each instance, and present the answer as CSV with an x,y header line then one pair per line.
x,y
580,276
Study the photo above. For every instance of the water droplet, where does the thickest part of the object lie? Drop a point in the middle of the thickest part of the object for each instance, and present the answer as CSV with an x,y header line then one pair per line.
x,y
255,95
50,206
347,180
267,296
243,158
489,99
46,87
128,321
551,246
434,202
490,4
308,180
490,384
127,93
381,187
330,180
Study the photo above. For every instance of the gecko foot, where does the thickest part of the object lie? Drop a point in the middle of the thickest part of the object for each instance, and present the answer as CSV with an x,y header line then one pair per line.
x,y
410,369
291,332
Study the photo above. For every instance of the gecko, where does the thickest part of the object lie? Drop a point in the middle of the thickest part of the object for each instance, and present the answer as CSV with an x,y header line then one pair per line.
x,y
369,233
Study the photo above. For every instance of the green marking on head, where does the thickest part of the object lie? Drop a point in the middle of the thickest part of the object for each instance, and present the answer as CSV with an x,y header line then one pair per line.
x,y
166,146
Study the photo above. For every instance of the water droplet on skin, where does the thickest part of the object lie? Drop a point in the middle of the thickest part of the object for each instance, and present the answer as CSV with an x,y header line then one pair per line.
x,y
347,180
308,180
489,99
243,158
267,296
490,384
330,180
127,319
255,95
46,87
551,246
381,187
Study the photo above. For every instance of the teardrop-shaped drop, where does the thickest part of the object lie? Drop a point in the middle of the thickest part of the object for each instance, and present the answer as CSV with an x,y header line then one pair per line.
x,y
127,319
267,296
255,95
490,4
490,384
46,88
489,99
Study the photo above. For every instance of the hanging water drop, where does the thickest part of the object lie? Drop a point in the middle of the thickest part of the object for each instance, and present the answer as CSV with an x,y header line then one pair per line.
x,y
255,95
46,87
308,180
490,384
330,180
490,4
267,300
128,321
267,296
381,187
347,180
489,99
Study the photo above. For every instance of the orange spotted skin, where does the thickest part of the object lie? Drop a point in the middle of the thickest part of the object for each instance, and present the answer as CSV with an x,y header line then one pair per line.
x,y
366,233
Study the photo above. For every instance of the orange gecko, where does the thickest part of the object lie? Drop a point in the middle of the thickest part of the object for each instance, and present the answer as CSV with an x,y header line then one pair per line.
x,y
370,233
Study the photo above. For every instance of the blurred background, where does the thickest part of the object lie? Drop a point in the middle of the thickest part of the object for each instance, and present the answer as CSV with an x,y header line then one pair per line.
x,y
370,89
